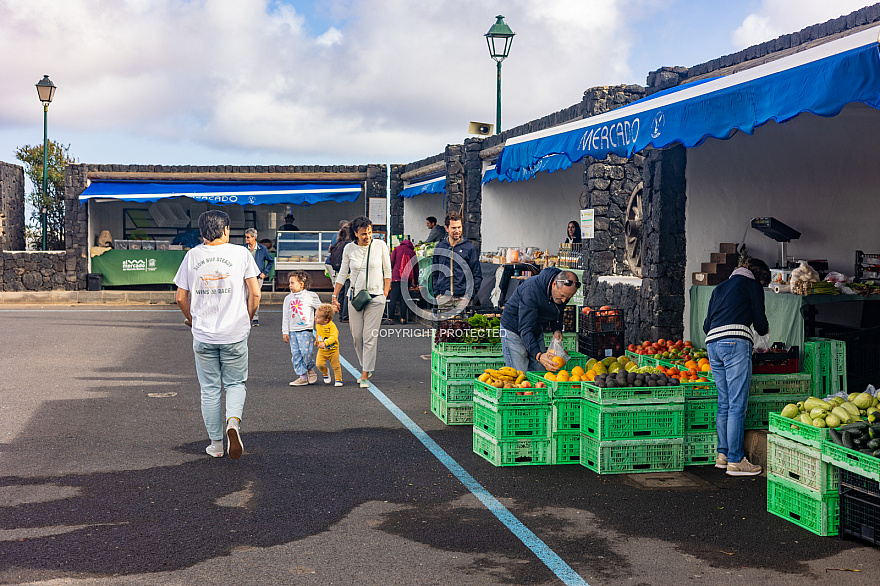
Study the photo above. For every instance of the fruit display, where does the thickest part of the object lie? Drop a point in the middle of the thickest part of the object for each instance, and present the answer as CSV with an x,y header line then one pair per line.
x,y
689,372
507,377
669,350
856,412
592,369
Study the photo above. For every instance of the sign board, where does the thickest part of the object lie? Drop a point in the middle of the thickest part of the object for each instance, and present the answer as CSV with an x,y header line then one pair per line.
x,y
377,213
588,228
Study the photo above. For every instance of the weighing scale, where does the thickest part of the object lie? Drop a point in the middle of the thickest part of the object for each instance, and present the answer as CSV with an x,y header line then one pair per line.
x,y
781,233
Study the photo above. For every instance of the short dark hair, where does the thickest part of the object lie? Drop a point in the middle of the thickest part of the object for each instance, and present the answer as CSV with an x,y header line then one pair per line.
x,y
564,276
452,217
431,219
358,223
301,276
759,270
212,223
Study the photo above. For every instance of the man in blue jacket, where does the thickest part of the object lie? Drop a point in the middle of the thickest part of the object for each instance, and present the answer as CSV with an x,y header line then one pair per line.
x,y
539,300
263,258
450,277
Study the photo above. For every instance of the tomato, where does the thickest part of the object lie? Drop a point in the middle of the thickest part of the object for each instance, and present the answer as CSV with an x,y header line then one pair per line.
x,y
651,351
661,341
631,347
689,344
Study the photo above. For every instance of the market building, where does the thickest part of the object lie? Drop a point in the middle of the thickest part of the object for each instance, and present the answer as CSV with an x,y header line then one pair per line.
x,y
783,129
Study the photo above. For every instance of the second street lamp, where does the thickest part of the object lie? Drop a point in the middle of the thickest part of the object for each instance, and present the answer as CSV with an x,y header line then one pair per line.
x,y
499,39
45,91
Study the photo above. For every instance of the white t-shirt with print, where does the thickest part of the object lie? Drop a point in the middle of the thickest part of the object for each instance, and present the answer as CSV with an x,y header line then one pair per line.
x,y
214,276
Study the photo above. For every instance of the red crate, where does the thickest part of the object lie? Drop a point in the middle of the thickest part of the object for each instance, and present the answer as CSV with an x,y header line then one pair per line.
x,y
602,320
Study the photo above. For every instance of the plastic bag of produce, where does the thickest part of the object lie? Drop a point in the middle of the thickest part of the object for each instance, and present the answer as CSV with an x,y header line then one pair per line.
x,y
555,347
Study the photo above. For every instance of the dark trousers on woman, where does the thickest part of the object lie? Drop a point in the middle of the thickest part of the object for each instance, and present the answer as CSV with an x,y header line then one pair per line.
x,y
343,297
395,299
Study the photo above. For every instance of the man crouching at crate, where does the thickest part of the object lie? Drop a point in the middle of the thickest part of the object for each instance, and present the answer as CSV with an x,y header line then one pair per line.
x,y
539,300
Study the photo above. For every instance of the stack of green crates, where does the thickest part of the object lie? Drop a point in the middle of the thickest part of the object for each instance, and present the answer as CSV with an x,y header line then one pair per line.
x,y
529,426
453,369
631,430
512,426
700,435
825,362
801,487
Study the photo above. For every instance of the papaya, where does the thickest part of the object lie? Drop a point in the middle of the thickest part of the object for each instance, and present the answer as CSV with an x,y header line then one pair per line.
x,y
790,411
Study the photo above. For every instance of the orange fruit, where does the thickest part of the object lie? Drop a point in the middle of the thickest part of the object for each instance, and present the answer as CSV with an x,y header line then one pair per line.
x,y
590,376
706,368
690,364
702,361
558,361
550,376
577,370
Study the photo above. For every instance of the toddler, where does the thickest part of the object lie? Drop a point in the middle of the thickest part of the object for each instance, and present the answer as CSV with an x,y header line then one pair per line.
x,y
327,342
297,327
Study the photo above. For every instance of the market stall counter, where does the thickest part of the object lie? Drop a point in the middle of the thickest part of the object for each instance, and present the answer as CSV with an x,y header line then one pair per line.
x,y
137,267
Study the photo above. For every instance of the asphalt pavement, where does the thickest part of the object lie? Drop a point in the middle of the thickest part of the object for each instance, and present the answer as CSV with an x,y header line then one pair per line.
x,y
104,480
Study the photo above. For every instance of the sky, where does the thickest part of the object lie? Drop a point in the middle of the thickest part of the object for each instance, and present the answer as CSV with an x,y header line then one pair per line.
x,y
336,82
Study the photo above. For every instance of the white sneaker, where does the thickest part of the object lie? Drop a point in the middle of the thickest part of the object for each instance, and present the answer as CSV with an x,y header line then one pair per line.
x,y
743,468
337,383
215,450
327,380
300,382
233,437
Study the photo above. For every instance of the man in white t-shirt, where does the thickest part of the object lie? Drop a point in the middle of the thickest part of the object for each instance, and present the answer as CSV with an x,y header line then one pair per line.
x,y
217,292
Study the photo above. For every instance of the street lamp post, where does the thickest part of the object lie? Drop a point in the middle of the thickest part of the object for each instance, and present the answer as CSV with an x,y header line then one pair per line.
x,y
46,91
499,39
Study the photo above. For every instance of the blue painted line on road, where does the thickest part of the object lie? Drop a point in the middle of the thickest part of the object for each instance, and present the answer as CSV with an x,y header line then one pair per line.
x,y
550,558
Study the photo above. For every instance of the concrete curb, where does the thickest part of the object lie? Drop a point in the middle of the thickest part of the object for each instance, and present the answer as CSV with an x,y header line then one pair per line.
x,y
117,298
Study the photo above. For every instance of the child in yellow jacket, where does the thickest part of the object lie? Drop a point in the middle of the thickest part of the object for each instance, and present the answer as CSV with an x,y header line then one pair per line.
x,y
327,341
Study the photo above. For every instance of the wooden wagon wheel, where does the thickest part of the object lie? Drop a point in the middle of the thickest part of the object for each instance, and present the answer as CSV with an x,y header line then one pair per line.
x,y
633,230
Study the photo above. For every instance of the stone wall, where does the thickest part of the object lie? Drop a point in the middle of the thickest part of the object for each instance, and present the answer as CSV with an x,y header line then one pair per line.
x,y
394,188
12,220
36,271
656,308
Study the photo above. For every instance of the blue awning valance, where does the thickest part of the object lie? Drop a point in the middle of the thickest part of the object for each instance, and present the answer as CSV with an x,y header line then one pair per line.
x,y
436,185
549,164
225,192
820,80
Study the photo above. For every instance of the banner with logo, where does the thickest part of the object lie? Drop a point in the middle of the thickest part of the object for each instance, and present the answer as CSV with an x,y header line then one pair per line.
x,y
225,192
138,267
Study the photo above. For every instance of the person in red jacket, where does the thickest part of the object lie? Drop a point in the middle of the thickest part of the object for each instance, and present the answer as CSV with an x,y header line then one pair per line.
x,y
401,256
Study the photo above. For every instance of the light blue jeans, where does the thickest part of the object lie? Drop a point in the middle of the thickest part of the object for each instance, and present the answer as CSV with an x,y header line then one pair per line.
x,y
223,365
731,362
302,351
516,355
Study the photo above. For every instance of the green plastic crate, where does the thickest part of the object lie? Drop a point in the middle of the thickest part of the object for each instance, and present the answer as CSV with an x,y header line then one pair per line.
x,y
565,448
452,413
780,384
760,408
825,362
459,367
630,422
801,464
700,449
699,415
631,395
515,396
641,359
634,456
809,509
461,349
512,421
852,460
566,416
797,431
455,391
569,341
556,389
517,452
700,390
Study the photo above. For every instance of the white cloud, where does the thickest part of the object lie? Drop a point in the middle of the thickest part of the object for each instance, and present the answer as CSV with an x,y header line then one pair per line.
x,y
778,17
394,77
333,36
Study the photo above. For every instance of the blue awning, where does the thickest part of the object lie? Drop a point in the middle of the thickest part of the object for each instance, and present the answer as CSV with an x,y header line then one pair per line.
x,y
549,164
436,185
225,192
820,80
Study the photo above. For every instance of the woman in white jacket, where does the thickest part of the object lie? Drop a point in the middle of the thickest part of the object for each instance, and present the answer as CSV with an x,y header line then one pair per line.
x,y
365,252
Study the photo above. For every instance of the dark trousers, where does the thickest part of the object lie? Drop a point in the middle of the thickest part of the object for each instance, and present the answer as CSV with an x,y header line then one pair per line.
x,y
396,298
343,300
